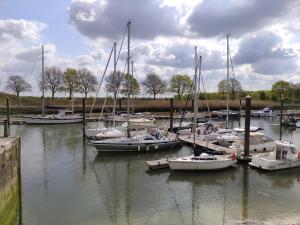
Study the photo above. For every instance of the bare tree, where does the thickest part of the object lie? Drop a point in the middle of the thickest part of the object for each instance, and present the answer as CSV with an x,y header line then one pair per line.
x,y
53,79
154,85
114,82
86,81
17,84
70,82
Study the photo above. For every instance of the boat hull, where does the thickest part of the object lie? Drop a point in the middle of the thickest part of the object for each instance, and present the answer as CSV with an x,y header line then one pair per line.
x,y
43,120
200,165
135,147
271,165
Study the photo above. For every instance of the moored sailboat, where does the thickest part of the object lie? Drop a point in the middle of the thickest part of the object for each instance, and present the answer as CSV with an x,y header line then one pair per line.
x,y
149,140
64,115
200,160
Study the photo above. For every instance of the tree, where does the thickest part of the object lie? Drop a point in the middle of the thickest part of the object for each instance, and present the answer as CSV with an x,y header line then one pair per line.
x,y
234,87
86,81
114,82
154,85
180,84
17,84
262,95
222,88
53,80
70,81
282,89
134,86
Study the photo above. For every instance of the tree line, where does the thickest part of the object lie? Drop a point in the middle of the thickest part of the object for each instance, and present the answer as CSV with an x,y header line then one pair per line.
x,y
84,81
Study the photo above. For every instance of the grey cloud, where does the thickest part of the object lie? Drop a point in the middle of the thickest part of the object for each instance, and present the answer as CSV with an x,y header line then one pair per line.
x,y
215,17
182,56
108,18
275,66
265,54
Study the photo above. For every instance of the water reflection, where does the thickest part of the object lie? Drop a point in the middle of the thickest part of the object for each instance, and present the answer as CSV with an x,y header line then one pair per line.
x,y
66,182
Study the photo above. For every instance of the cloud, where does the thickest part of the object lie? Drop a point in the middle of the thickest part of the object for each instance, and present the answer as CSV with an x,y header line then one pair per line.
x,y
212,18
266,54
20,29
107,18
182,56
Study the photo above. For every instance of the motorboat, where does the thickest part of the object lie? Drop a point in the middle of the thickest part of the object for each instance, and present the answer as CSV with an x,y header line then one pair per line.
x,y
64,116
289,121
202,162
151,140
265,112
259,142
222,114
284,156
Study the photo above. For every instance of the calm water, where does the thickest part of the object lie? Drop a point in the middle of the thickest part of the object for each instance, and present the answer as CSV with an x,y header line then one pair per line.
x,y
65,182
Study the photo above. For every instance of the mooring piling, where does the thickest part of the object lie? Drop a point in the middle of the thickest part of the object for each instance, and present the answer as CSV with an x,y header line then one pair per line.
x,y
171,112
7,121
281,109
83,118
246,156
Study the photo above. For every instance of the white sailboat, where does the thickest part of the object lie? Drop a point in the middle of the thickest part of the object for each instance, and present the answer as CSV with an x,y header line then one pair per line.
x,y
64,116
202,161
285,156
148,140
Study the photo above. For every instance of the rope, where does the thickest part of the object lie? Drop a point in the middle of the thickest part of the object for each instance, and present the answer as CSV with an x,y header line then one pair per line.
x,y
101,82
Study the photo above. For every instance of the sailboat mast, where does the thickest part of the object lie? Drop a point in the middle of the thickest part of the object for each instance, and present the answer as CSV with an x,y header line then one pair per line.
x,y
227,85
195,100
128,81
131,87
114,84
43,83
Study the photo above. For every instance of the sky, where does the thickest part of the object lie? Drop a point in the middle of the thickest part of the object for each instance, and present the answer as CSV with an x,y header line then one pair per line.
x,y
264,38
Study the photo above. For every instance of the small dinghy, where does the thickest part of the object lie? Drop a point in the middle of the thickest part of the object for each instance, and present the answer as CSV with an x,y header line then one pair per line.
x,y
285,156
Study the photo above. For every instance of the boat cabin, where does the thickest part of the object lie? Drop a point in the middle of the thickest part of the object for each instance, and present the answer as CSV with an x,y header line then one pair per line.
x,y
283,150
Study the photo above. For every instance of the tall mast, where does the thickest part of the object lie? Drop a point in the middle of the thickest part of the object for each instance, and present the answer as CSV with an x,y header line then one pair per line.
x,y
114,84
43,83
128,81
131,87
195,100
227,85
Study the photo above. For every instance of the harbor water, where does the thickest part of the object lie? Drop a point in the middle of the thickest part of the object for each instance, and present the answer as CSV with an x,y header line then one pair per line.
x,y
65,182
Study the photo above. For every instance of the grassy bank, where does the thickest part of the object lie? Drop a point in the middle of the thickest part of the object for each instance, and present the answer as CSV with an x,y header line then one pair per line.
x,y
32,105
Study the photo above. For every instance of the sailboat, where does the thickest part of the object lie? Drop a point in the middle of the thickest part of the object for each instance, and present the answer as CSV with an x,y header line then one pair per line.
x,y
148,140
64,115
200,161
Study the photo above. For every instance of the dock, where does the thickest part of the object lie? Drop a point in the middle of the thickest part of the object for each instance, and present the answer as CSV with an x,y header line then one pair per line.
x,y
205,144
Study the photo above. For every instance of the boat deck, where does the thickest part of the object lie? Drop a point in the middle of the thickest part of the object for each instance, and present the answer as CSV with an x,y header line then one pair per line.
x,y
205,144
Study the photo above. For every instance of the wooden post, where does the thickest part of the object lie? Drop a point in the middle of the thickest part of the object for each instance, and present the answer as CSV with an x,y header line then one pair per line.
x,y
171,113
281,108
247,127
83,118
120,104
7,121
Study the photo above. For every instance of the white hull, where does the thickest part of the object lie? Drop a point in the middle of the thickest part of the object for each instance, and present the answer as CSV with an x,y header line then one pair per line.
x,y
53,120
187,163
270,165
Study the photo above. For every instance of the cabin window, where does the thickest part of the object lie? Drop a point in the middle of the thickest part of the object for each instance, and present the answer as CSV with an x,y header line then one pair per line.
x,y
278,153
